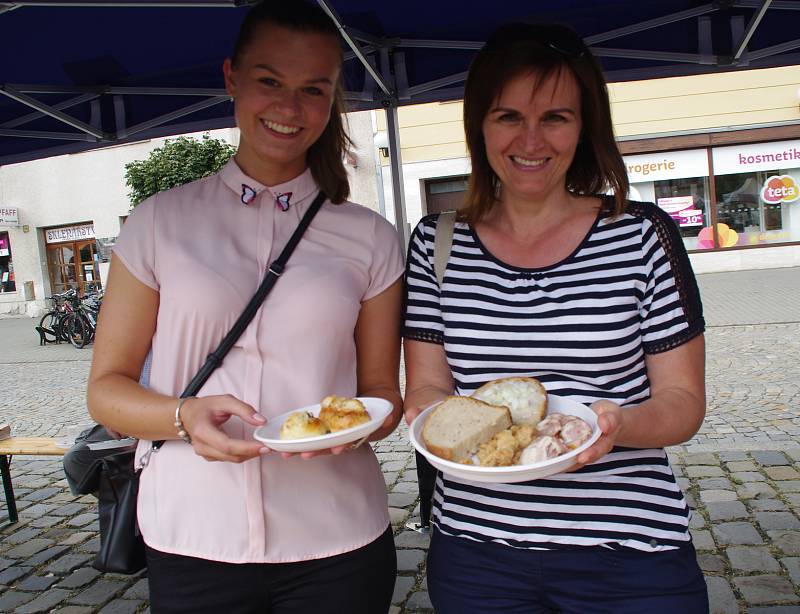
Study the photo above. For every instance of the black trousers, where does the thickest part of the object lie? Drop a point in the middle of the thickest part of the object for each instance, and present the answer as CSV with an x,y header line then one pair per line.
x,y
357,582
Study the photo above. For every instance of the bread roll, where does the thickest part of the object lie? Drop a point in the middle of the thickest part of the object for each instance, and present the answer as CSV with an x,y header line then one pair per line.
x,y
339,413
301,424
525,397
457,426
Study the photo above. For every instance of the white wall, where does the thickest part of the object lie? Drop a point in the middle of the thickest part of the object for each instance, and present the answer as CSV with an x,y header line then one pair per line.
x,y
90,187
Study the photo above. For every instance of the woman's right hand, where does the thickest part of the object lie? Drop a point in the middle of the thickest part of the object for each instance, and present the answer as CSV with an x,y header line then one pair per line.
x,y
203,418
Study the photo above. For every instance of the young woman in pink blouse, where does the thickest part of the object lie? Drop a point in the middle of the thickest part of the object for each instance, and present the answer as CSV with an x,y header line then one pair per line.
x,y
255,531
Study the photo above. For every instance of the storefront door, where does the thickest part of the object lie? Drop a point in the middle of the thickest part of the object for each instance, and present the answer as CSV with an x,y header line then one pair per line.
x,y
73,265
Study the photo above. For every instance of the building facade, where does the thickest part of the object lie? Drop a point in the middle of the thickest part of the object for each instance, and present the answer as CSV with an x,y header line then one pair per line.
x,y
720,153
59,216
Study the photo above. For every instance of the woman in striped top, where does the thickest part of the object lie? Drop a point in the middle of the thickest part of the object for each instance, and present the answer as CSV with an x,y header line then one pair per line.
x,y
592,295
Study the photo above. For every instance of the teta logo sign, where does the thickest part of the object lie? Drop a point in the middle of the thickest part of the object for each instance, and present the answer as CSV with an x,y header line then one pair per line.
x,y
780,188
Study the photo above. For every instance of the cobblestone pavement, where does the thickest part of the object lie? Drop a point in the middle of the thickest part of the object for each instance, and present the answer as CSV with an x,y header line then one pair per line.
x,y
741,472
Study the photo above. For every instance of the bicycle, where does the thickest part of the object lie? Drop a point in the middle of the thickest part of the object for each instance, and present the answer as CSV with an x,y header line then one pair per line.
x,y
79,326
51,325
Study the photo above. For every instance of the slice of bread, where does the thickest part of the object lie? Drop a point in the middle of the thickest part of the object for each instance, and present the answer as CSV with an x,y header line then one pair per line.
x,y
524,396
455,429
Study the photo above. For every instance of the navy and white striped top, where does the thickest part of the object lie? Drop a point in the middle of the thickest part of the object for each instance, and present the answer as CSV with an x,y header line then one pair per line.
x,y
582,327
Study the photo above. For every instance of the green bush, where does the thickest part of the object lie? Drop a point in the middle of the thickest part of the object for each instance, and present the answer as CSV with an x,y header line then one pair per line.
x,y
177,162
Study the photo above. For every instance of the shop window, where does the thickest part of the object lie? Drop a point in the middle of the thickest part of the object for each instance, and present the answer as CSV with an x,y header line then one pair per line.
x,y
73,265
7,283
445,194
758,208
686,201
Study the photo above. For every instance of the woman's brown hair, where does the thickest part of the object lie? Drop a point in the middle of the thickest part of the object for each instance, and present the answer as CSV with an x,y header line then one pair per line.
x,y
326,156
544,50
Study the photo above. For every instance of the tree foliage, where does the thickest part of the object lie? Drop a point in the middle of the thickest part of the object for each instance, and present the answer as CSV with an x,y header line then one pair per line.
x,y
177,162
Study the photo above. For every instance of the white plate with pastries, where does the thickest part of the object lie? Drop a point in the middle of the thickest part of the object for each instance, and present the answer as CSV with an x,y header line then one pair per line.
x,y
305,432
459,455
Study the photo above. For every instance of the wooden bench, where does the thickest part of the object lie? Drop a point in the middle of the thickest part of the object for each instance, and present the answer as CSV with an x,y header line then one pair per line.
x,y
16,446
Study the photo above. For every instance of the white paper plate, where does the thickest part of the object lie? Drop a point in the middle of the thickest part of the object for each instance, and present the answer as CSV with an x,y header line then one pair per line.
x,y
514,473
269,434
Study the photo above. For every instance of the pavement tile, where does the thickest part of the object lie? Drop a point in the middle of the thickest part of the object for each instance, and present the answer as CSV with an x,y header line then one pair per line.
x,y
787,542
68,562
37,583
402,587
11,599
717,496
753,490
12,574
701,459
419,600
736,533
140,590
792,565
98,593
46,555
782,473
766,505
770,457
22,536
727,510
409,560
79,577
121,606
788,486
721,598
702,540
715,484
742,477
44,602
711,563
412,539
764,589
704,471
771,521
751,558
28,549
742,466
776,609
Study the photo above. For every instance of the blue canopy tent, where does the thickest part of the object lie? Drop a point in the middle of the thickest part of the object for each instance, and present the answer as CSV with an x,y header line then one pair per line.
x,y
81,74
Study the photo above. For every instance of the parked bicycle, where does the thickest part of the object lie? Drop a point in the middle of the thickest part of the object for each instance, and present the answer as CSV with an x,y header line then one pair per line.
x,y
79,326
51,326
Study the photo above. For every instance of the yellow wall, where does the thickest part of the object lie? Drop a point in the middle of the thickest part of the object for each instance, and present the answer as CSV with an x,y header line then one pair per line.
x,y
735,99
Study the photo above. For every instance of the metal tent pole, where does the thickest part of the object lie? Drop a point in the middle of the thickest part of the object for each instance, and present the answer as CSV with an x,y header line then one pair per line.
x,y
396,164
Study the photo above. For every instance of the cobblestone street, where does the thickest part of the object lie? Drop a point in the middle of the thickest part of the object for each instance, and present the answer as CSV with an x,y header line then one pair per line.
x,y
740,472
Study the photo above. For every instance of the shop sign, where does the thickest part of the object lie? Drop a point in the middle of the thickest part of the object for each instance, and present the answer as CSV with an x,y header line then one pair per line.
x,y
9,216
669,165
681,209
756,157
69,233
780,189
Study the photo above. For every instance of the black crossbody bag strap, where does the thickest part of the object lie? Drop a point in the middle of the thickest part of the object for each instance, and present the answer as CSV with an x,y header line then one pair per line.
x,y
274,271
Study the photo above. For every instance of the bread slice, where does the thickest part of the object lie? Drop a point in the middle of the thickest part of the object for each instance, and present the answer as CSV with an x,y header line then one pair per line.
x,y
524,396
457,426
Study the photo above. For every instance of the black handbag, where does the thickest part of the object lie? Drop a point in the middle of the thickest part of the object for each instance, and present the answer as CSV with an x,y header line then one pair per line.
x,y
121,544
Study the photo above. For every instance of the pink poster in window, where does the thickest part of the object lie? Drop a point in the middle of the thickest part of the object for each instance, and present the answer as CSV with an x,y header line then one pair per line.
x,y
682,210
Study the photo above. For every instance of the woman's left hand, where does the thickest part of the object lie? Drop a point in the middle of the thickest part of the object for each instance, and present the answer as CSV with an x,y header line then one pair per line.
x,y
609,420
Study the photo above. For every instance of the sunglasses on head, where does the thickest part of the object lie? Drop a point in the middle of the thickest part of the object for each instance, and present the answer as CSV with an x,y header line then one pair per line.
x,y
560,39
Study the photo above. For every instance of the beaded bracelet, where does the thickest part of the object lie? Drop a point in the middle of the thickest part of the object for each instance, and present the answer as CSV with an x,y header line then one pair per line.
x,y
182,432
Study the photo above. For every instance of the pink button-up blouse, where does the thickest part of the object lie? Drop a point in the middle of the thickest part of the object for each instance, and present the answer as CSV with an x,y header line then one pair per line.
x,y
204,247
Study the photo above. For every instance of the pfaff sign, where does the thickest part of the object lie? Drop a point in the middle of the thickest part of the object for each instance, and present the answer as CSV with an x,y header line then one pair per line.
x,y
9,216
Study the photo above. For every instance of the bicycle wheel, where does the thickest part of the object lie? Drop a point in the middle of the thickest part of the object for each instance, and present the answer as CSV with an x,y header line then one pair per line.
x,y
49,326
60,329
75,329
